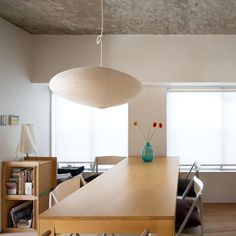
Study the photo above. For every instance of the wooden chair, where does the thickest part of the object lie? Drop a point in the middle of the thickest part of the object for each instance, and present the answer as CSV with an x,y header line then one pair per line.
x,y
106,160
184,182
65,188
103,160
189,210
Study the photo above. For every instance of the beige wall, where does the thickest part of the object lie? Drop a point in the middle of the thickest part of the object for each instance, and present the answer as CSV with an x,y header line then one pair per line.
x,y
150,58
149,108
53,54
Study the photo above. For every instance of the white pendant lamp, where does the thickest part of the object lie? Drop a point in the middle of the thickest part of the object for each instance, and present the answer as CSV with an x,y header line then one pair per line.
x,y
96,86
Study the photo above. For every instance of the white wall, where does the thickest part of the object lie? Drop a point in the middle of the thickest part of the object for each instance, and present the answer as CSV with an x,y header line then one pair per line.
x,y
18,96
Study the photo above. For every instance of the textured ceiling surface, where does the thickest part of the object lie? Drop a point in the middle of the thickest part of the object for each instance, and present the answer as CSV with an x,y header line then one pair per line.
x,y
122,16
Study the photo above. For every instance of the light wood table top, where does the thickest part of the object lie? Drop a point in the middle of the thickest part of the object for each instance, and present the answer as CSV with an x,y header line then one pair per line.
x,y
130,190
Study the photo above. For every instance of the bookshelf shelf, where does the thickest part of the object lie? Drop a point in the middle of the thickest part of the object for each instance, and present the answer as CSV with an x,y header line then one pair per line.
x,y
21,197
43,181
16,230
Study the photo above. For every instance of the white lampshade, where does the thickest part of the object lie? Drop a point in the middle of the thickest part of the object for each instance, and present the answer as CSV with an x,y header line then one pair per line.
x,y
96,86
27,142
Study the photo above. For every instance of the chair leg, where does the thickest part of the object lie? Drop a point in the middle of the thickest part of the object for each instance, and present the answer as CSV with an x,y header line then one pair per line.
x,y
201,215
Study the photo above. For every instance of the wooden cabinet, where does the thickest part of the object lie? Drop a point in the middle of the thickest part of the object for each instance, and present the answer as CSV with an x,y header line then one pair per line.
x,y
44,180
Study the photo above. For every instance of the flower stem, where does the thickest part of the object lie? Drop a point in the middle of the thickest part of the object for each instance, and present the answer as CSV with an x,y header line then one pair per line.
x,y
149,140
148,134
142,133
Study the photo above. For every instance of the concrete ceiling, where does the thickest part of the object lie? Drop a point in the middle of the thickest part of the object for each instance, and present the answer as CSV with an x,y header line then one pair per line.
x,y
76,17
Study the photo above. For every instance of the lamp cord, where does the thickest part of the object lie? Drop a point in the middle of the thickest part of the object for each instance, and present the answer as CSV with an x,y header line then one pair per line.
x,y
100,37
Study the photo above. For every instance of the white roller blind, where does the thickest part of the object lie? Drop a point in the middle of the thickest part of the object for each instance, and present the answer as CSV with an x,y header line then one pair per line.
x,y
202,126
79,133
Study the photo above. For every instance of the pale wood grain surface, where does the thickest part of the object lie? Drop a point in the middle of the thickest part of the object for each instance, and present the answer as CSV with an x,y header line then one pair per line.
x,y
130,190
219,220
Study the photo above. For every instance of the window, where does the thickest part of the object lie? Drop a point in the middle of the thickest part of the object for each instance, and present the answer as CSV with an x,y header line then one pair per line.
x,y
202,126
79,133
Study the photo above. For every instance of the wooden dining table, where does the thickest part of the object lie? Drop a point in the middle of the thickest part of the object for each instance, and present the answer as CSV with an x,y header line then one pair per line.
x,y
130,197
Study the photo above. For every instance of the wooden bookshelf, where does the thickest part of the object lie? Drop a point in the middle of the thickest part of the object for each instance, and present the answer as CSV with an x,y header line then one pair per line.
x,y
21,197
44,178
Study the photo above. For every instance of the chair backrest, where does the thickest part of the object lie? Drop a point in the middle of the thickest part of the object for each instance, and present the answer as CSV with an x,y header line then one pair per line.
x,y
82,181
64,189
198,186
194,170
197,202
106,160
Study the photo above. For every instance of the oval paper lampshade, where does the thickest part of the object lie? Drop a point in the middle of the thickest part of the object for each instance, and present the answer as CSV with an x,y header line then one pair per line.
x,y
96,86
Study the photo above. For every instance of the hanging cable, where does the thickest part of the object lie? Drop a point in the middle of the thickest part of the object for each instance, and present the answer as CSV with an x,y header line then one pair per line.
x,y
100,37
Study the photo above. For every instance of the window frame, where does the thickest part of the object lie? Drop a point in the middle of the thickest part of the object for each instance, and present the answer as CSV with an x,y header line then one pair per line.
x,y
228,168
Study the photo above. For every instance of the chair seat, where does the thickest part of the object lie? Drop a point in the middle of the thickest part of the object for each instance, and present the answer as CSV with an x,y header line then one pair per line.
x,y
91,177
182,209
182,185
69,169
63,177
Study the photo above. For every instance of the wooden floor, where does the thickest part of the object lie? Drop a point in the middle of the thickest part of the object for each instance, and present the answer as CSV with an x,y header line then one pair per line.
x,y
219,220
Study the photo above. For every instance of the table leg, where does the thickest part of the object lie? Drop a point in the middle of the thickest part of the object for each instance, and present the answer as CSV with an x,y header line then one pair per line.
x,y
45,226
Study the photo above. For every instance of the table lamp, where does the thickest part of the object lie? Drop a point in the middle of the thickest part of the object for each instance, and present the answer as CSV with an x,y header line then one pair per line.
x,y
27,143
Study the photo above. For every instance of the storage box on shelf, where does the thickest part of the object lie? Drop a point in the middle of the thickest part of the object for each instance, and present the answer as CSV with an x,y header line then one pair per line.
x,y
25,181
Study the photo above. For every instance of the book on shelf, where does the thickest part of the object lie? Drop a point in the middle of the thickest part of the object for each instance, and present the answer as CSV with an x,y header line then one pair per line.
x,y
24,223
21,181
21,216
10,222
11,188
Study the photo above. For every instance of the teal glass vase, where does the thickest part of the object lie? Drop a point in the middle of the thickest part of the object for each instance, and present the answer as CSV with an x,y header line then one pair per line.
x,y
147,153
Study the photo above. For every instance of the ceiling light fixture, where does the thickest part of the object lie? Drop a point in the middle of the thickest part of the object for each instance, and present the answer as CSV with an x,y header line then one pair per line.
x,y
99,87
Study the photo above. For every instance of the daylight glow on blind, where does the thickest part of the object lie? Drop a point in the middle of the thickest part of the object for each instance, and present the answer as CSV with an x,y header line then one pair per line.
x,y
79,133
202,126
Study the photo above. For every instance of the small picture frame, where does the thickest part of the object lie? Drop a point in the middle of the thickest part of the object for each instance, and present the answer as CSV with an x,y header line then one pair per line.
x,y
13,120
3,120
